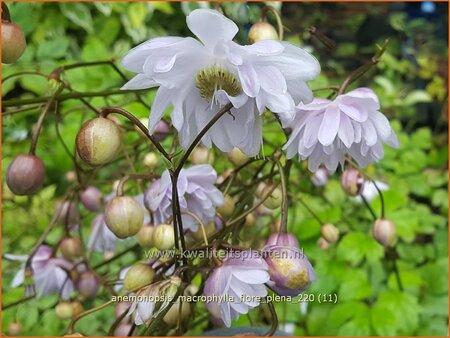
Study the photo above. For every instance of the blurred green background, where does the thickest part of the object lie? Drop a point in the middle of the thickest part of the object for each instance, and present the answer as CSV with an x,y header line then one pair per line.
x,y
411,82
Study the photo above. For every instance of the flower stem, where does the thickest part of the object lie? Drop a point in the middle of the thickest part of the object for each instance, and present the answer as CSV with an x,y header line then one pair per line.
x,y
268,9
124,179
70,329
274,326
284,201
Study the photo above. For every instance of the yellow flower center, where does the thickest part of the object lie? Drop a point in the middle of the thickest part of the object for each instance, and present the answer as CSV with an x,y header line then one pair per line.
x,y
211,79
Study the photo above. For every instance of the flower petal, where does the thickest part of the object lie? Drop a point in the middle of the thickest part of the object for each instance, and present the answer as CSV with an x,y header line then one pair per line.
x,y
140,81
330,125
249,79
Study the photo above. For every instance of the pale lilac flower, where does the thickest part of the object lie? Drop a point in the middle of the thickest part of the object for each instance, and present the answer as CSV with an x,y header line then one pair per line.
x,y
325,131
101,238
49,273
196,78
370,192
289,269
234,279
196,192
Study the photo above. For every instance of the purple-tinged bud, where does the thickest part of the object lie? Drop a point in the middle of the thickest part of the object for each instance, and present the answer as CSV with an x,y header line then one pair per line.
x,y
71,248
352,182
91,198
145,236
162,130
320,177
67,213
13,42
87,284
289,269
124,216
98,141
323,244
262,31
385,232
25,175
14,329
122,330
330,233
138,276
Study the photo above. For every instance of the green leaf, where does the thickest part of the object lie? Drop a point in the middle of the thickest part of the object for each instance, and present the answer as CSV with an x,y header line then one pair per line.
x,y
356,246
416,96
79,14
383,320
355,286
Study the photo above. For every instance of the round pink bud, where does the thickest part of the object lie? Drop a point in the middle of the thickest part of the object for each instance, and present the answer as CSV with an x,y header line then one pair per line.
x,y
162,130
25,175
202,155
91,198
124,216
67,213
138,276
87,284
385,232
71,248
352,182
13,42
145,236
323,244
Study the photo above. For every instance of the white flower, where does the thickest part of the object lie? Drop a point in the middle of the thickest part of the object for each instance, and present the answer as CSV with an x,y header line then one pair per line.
x,y
241,283
326,131
196,192
370,191
49,273
197,78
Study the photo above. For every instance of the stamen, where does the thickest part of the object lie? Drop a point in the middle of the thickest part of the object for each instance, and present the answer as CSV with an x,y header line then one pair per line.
x,y
211,79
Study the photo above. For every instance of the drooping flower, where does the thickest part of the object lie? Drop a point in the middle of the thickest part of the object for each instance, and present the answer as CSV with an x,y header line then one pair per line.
x,y
197,78
240,282
50,274
101,238
325,131
289,269
153,299
320,177
196,191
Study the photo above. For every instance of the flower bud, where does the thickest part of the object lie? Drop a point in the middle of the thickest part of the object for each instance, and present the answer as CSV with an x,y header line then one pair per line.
x,y
122,330
67,213
202,155
77,308
320,177
330,233
227,208
385,232
13,42
25,175
250,220
71,248
237,157
275,198
124,216
64,310
145,236
262,31
352,182
151,161
164,237
87,284
14,329
91,198
161,132
138,276
323,244
98,141
289,269
71,176
173,316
